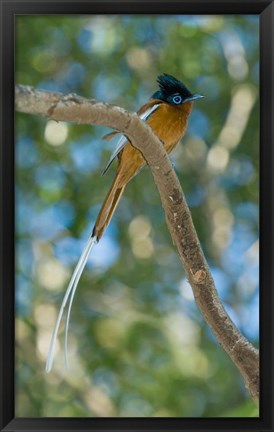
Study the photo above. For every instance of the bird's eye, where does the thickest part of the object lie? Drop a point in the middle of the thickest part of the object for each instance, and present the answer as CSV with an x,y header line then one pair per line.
x,y
177,99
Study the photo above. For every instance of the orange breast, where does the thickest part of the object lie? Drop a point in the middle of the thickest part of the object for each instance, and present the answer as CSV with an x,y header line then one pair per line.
x,y
169,123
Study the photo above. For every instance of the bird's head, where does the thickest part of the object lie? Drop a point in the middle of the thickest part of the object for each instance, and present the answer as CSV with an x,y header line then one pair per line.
x,y
173,91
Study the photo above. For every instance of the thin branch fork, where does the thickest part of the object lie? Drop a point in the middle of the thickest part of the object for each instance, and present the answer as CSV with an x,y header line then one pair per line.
x,y
74,108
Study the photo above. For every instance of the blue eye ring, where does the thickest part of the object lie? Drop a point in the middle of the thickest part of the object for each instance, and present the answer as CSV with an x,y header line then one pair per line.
x,y
177,99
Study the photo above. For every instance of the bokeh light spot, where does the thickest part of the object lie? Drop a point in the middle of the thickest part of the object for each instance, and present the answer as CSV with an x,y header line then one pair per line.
x,y
56,133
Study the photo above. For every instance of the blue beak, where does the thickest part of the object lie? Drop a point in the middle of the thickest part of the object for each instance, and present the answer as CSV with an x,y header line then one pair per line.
x,y
193,98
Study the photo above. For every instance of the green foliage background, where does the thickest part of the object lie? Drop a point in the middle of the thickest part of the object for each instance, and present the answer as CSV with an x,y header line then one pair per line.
x,y
138,344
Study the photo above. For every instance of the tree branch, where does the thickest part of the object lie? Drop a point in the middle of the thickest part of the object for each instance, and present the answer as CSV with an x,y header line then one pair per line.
x,y
80,110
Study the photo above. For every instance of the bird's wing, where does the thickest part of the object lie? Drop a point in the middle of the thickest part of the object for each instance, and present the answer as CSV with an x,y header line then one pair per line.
x,y
145,115
121,143
124,140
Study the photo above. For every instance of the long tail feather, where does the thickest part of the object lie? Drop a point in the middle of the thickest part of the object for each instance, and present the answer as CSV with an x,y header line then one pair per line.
x,y
111,201
73,291
70,291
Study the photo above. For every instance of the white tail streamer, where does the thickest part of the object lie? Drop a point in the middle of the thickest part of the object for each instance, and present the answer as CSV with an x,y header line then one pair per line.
x,y
69,292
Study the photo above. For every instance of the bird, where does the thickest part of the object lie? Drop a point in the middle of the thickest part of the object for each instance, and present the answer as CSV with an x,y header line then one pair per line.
x,y
167,113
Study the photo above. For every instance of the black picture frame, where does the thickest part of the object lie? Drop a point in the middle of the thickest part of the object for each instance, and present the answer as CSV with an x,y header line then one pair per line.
x,y
265,10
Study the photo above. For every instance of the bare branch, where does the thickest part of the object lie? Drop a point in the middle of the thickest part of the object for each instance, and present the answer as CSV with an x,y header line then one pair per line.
x,y
80,110
70,108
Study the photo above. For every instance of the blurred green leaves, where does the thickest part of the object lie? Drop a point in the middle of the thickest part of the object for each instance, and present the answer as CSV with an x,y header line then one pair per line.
x,y
138,345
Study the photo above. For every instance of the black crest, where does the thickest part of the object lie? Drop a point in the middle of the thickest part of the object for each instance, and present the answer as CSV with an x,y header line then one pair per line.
x,y
169,86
